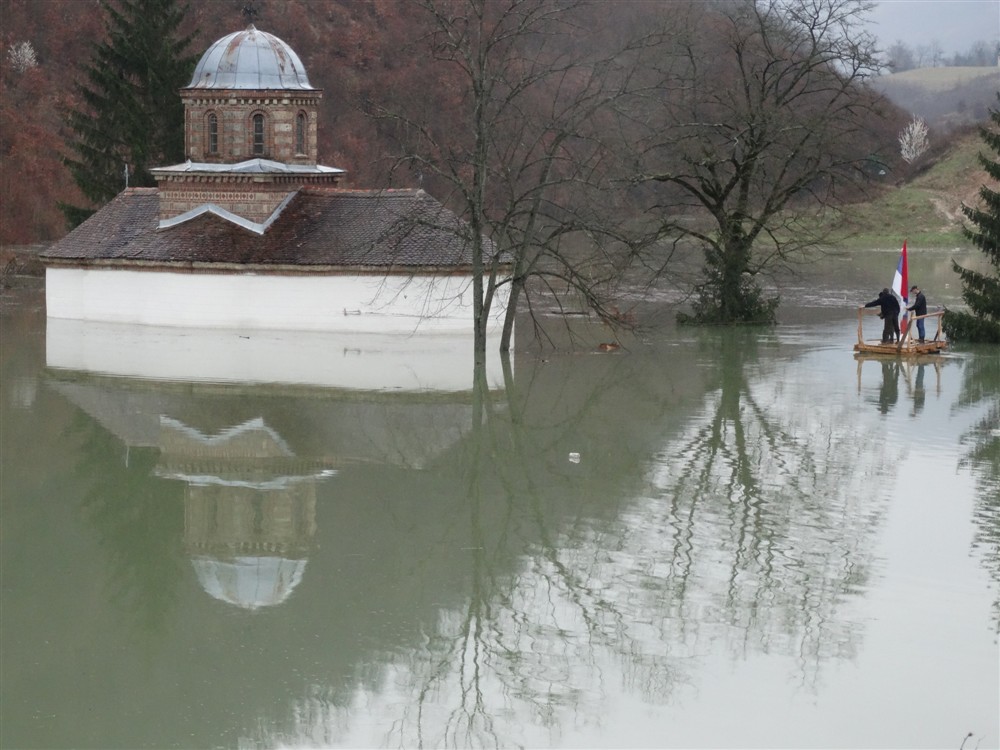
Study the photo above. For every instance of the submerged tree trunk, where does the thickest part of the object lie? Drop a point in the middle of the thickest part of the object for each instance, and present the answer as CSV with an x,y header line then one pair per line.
x,y
480,310
516,287
730,293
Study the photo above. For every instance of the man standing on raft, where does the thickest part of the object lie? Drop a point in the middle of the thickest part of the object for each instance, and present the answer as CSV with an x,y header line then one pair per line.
x,y
889,312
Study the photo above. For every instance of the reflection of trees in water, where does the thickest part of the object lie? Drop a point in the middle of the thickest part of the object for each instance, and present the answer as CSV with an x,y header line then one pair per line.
x,y
758,531
138,521
530,637
762,524
981,386
748,533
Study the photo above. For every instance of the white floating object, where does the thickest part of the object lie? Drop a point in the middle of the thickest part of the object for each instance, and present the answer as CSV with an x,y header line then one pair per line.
x,y
574,458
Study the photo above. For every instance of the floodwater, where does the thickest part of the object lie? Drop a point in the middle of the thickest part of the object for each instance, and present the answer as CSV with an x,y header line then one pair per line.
x,y
718,538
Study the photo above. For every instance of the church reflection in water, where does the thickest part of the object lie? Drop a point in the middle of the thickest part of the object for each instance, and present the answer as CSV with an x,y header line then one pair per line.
x,y
251,456
249,508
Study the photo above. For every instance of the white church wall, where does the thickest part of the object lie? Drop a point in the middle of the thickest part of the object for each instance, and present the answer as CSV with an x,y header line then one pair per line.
x,y
307,302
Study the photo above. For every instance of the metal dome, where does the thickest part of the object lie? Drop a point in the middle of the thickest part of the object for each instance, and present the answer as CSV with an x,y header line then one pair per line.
x,y
250,59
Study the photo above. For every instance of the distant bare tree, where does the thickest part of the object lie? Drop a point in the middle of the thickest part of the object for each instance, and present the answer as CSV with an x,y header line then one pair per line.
x,y
930,55
900,57
981,54
22,56
913,140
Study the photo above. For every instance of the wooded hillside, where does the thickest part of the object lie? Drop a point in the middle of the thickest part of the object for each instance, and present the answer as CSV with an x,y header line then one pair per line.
x,y
354,50
946,98
362,53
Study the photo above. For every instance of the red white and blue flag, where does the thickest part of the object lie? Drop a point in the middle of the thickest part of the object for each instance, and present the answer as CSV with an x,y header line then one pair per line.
x,y
901,284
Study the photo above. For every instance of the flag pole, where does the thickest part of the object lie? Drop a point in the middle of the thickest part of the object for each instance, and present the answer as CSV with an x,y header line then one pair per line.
x,y
901,284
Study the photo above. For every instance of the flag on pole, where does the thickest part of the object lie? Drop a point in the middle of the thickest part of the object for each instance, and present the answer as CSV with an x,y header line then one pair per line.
x,y
901,285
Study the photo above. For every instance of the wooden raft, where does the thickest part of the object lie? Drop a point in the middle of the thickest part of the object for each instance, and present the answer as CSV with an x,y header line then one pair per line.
x,y
908,346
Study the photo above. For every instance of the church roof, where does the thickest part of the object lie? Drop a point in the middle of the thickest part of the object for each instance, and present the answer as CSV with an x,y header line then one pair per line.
x,y
250,59
249,166
318,228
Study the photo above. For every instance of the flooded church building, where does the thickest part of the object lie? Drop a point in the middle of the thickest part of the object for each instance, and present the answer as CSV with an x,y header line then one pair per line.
x,y
252,232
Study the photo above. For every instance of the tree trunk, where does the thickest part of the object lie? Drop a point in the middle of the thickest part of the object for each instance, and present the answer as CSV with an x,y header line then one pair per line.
x,y
516,286
735,262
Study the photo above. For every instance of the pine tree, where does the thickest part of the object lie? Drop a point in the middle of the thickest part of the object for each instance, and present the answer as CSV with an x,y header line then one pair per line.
x,y
981,291
130,115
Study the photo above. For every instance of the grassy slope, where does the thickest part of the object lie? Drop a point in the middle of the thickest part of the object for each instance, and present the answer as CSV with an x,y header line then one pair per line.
x,y
940,79
926,209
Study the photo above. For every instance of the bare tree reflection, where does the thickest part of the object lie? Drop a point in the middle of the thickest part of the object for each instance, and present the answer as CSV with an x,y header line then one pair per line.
x,y
762,519
980,387
751,529
533,618
709,519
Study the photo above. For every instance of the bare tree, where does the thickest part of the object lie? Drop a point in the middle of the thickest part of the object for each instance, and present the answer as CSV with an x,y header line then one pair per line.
x,y
913,140
900,57
979,54
522,155
22,56
755,115
930,55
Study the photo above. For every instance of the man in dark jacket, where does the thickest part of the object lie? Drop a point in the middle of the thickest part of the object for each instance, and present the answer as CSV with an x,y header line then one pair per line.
x,y
918,308
889,312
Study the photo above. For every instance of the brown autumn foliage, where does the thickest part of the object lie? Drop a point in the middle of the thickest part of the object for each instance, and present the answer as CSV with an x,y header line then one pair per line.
x,y
355,50
362,53
32,177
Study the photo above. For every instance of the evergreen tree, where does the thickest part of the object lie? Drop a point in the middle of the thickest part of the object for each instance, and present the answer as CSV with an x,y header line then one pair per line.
x,y
130,113
981,291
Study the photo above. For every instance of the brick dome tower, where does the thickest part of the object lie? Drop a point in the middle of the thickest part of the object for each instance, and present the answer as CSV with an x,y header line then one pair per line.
x,y
250,97
250,124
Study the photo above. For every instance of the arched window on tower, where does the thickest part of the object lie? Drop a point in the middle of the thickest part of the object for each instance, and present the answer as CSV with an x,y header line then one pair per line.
x,y
258,134
300,133
213,133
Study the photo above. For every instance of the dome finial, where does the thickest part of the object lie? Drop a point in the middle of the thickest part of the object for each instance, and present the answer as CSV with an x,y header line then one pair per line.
x,y
251,12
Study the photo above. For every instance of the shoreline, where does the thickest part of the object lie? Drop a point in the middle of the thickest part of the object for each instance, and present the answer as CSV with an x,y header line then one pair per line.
x,y
20,260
